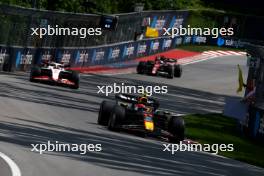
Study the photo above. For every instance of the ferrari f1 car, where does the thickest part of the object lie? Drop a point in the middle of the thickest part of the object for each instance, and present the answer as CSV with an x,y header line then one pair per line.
x,y
161,66
55,73
141,114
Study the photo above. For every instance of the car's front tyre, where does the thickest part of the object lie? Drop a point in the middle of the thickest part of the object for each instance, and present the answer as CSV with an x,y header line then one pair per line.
x,y
116,119
105,112
75,77
34,72
170,70
141,67
177,71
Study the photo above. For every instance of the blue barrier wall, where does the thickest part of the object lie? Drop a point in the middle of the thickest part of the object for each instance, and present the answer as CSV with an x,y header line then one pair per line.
x,y
21,59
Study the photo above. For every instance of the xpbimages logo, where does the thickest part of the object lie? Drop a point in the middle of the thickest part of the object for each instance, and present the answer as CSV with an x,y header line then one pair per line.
x,y
212,148
63,147
51,31
131,89
190,31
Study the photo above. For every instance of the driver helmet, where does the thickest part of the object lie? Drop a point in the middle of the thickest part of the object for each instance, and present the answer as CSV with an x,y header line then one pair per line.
x,y
143,100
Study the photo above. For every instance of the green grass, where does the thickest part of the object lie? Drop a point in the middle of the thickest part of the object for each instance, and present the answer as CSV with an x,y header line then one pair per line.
x,y
201,48
217,129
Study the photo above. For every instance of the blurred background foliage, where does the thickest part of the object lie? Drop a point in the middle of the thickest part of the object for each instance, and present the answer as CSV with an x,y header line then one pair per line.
x,y
253,7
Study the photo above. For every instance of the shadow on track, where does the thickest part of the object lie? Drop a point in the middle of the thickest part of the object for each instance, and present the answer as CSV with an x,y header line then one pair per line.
x,y
119,153
179,99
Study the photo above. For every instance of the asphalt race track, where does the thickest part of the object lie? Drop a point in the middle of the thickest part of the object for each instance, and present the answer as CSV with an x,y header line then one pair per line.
x,y
4,168
33,113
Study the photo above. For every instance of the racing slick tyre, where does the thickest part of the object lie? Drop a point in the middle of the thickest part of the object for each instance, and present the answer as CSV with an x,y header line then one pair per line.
x,y
105,112
72,76
35,71
156,104
141,67
177,71
75,77
149,68
116,118
170,70
177,128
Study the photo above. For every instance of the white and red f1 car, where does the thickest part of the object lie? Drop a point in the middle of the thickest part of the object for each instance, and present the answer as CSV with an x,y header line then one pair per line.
x,y
55,73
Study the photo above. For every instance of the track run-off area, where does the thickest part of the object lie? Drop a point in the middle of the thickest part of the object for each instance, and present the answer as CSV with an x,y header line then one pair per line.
x,y
32,113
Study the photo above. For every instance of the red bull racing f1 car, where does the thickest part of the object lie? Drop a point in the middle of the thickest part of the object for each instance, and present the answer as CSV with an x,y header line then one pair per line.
x,y
55,73
140,113
161,66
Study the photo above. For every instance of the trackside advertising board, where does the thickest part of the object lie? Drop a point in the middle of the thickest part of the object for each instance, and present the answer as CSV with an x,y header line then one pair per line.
x,y
21,59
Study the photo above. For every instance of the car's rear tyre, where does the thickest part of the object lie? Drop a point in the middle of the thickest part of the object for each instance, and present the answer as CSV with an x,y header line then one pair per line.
x,y
177,71
177,129
105,112
149,68
141,67
170,70
116,119
156,104
34,72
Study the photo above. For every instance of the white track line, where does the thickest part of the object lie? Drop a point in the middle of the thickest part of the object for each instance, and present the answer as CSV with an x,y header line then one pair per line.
x,y
215,53
224,52
14,168
208,53
242,52
205,53
235,53
200,60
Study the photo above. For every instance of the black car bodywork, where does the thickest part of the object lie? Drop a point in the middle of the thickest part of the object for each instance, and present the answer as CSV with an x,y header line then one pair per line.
x,y
124,114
